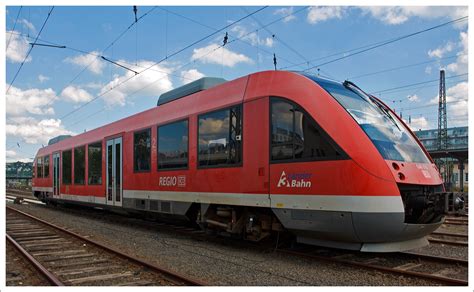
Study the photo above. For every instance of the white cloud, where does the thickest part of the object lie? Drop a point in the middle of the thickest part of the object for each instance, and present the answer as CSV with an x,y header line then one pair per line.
x,y
457,104
413,98
394,15
33,131
18,47
190,75
28,25
285,12
42,78
428,70
461,64
224,56
94,63
418,123
75,94
12,156
322,13
253,37
33,101
152,83
441,51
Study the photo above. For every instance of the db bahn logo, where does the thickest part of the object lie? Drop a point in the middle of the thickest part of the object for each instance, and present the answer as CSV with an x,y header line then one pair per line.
x,y
295,180
172,181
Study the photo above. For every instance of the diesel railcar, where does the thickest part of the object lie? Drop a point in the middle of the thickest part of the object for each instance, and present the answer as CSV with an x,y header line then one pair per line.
x,y
270,152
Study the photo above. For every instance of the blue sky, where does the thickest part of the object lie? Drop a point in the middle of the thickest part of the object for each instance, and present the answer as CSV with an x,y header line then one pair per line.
x,y
54,82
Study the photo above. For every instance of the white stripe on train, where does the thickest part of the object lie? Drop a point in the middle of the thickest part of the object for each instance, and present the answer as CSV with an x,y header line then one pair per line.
x,y
364,204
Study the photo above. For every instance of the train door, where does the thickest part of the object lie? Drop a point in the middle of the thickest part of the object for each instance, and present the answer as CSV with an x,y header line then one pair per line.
x,y
55,175
114,171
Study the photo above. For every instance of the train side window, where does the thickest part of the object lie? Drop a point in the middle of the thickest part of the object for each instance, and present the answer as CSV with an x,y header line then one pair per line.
x,y
79,165
39,167
220,138
67,167
173,145
94,158
142,150
296,136
46,166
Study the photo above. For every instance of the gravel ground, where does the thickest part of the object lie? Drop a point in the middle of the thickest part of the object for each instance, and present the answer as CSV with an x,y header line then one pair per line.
x,y
216,263
19,271
447,250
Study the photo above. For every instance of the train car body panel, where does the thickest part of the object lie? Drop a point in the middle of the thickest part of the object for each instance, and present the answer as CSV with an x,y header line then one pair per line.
x,y
356,199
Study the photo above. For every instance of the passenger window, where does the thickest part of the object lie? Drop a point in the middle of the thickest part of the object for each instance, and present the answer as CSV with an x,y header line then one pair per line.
x,y
79,165
142,150
94,156
296,136
173,145
67,167
39,167
220,138
46,166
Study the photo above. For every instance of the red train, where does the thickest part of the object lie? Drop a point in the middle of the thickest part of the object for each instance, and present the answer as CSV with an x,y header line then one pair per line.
x,y
272,151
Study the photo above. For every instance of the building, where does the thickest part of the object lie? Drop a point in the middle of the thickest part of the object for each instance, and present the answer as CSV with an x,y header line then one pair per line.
x,y
449,165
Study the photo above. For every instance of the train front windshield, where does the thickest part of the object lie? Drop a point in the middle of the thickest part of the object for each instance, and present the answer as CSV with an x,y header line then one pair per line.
x,y
391,138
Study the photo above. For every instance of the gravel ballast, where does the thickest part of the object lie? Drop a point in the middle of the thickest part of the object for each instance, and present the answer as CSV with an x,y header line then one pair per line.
x,y
216,263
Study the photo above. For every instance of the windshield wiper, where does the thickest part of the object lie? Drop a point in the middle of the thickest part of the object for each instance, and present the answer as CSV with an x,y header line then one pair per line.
x,y
350,85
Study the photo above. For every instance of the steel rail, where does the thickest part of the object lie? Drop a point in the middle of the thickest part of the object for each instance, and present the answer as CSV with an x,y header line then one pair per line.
x,y
177,277
450,242
38,266
436,258
441,279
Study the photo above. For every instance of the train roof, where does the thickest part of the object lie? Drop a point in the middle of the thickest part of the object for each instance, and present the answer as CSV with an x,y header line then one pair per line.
x,y
190,88
230,92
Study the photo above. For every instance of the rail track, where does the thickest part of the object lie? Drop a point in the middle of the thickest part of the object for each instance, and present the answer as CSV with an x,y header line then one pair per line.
x,y
443,270
67,258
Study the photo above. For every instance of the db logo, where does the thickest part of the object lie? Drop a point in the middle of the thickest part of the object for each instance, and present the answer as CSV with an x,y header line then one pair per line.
x,y
283,181
295,180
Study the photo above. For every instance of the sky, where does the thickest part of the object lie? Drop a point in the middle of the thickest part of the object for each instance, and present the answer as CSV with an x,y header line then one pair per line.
x,y
72,89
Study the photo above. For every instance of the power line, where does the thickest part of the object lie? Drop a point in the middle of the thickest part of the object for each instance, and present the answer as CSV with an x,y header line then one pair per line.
x,y
29,51
162,60
242,37
414,84
14,25
389,42
402,67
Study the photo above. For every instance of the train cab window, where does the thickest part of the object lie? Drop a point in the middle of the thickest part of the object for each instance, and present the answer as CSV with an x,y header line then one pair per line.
x,y
220,138
39,167
142,150
296,136
94,156
173,145
67,167
46,165
79,165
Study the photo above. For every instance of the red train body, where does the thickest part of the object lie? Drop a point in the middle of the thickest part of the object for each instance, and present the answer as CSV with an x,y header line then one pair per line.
x,y
292,152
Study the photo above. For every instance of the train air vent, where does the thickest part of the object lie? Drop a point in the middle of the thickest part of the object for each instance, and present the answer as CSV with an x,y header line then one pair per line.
x,y
140,204
166,207
153,205
57,139
190,88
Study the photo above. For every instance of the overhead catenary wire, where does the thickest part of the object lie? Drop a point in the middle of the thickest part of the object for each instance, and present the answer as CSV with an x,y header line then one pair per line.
x,y
162,60
414,84
242,38
13,29
403,67
375,45
29,51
